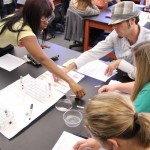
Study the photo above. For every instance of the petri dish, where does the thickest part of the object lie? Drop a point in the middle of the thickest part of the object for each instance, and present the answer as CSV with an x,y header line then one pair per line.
x,y
63,105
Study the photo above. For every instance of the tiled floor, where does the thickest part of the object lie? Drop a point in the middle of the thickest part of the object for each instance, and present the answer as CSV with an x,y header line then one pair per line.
x,y
59,39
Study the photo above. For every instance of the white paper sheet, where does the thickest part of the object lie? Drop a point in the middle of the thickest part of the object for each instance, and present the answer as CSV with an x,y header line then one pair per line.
x,y
95,69
10,62
61,85
144,18
66,141
17,101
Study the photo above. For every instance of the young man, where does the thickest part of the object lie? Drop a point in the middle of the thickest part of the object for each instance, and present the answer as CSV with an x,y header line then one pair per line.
x,y
126,34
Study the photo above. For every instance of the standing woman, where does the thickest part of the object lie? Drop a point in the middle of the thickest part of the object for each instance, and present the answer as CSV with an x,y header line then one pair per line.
x,y
22,29
114,124
87,8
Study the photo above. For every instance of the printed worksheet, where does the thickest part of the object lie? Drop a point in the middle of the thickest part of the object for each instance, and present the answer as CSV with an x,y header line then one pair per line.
x,y
96,69
60,85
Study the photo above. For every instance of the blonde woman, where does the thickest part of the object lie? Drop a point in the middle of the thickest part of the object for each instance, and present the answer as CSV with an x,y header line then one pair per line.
x,y
84,7
140,89
114,124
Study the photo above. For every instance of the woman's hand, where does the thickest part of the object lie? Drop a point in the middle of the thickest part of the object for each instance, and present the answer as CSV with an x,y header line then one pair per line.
x,y
107,88
77,89
89,143
44,46
112,66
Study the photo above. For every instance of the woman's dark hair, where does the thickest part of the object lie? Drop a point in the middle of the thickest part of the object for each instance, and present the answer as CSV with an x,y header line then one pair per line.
x,y
31,14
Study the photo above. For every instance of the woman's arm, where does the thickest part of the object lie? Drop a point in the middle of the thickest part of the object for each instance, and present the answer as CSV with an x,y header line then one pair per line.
x,y
122,87
35,50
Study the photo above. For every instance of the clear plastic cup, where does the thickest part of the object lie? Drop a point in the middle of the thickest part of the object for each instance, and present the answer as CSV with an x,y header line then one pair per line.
x,y
72,118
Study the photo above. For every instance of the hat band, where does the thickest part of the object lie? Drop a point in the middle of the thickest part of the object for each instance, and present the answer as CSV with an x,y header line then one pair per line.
x,y
125,16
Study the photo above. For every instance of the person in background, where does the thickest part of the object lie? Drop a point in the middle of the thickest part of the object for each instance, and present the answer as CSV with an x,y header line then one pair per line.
x,y
22,29
84,7
7,7
101,4
115,125
140,89
87,8
65,5
126,34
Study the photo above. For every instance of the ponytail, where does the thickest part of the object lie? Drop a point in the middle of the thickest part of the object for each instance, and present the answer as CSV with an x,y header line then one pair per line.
x,y
143,136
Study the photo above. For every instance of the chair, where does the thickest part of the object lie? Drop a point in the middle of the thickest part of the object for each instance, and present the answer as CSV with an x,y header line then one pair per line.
x,y
74,28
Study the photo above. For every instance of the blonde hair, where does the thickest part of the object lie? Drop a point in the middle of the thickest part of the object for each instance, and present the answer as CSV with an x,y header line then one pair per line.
x,y
84,3
112,115
142,60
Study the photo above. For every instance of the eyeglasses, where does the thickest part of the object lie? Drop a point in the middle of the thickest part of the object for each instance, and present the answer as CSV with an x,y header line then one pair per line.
x,y
45,19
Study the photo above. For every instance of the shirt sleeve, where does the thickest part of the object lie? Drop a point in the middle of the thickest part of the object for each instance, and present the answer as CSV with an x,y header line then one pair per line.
x,y
27,31
128,68
142,102
92,11
97,52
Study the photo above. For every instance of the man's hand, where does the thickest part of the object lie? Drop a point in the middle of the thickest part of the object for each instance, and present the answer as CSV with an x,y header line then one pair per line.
x,y
112,66
89,143
56,79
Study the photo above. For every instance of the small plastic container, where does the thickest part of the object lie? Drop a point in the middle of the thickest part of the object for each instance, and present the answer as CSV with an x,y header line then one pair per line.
x,y
72,118
63,105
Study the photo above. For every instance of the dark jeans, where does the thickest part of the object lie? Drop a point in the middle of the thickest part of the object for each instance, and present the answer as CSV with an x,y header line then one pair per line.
x,y
7,9
65,4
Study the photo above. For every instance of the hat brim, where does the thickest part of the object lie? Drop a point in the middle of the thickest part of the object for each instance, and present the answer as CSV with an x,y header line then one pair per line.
x,y
115,21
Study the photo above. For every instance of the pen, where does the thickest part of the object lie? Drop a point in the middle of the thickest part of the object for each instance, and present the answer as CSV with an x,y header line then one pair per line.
x,y
31,109
80,136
